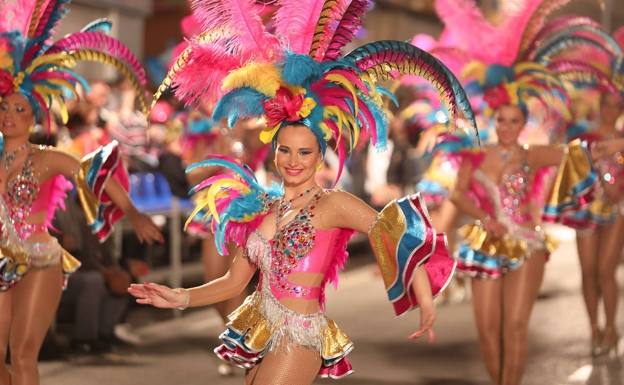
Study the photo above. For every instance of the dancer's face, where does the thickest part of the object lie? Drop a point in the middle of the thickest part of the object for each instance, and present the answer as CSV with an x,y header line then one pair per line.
x,y
509,122
16,116
297,155
611,107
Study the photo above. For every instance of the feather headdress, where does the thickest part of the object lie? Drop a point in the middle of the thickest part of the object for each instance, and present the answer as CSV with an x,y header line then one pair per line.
x,y
40,69
295,72
531,57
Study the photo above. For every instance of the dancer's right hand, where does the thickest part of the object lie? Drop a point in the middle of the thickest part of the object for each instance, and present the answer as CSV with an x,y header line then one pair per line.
x,y
158,295
494,227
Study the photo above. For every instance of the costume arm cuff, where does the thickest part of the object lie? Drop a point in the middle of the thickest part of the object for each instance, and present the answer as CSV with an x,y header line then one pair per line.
x,y
573,186
403,239
96,168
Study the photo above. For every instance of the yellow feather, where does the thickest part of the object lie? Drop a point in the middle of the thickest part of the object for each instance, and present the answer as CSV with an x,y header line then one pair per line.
x,y
55,58
215,188
341,80
263,77
474,70
266,135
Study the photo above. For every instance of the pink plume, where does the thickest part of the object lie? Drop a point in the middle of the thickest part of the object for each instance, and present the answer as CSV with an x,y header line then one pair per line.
x,y
207,66
531,19
59,186
16,15
241,16
331,14
295,22
337,264
190,26
101,42
349,24
50,12
618,35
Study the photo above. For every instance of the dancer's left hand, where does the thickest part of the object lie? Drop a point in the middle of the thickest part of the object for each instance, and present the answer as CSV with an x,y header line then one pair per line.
x,y
422,292
427,318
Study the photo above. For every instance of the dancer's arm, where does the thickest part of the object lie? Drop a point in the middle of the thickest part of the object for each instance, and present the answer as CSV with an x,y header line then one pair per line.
x,y
462,200
540,156
606,148
344,210
59,162
231,284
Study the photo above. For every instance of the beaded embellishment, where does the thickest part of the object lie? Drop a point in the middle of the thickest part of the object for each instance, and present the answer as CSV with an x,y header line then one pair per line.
x,y
514,190
291,243
22,192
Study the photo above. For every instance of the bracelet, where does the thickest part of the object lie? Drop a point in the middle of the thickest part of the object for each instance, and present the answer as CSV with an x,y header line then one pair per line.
x,y
187,298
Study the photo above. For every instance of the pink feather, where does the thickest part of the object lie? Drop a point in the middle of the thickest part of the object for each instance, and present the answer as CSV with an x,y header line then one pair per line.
x,y
349,24
58,193
16,15
328,22
190,26
101,42
45,17
295,22
209,181
338,263
242,16
53,75
208,64
618,35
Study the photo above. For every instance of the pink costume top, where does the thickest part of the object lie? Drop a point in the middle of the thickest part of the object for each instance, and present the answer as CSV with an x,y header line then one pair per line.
x,y
298,247
25,196
510,199
484,255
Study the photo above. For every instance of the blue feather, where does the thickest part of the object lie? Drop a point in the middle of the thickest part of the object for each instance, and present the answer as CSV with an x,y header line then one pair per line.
x,y
300,70
497,74
100,25
243,102
57,13
237,169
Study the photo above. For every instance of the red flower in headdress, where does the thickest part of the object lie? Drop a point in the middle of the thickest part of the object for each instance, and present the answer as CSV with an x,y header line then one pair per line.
x,y
6,83
285,106
497,96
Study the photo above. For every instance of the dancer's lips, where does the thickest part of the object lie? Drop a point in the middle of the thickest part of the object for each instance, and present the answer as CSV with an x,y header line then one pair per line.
x,y
293,171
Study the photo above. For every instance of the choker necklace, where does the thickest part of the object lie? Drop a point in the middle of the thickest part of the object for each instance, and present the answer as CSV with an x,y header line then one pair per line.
x,y
10,157
285,205
505,155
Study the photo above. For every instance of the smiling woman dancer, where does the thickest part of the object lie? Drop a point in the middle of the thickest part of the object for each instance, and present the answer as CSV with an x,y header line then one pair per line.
x,y
33,72
311,98
505,250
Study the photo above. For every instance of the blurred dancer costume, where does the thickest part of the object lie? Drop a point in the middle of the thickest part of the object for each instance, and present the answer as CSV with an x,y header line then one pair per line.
x,y
601,210
36,72
531,69
302,78
41,70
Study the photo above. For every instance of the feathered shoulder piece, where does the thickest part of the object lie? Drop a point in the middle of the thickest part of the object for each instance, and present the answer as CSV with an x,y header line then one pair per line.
x,y
231,203
41,69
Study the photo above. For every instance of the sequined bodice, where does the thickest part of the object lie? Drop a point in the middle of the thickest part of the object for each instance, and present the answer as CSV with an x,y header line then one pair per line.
x,y
21,193
611,168
514,193
296,247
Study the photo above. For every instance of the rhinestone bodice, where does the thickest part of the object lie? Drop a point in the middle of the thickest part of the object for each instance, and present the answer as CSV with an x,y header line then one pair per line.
x,y
514,193
21,193
297,247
